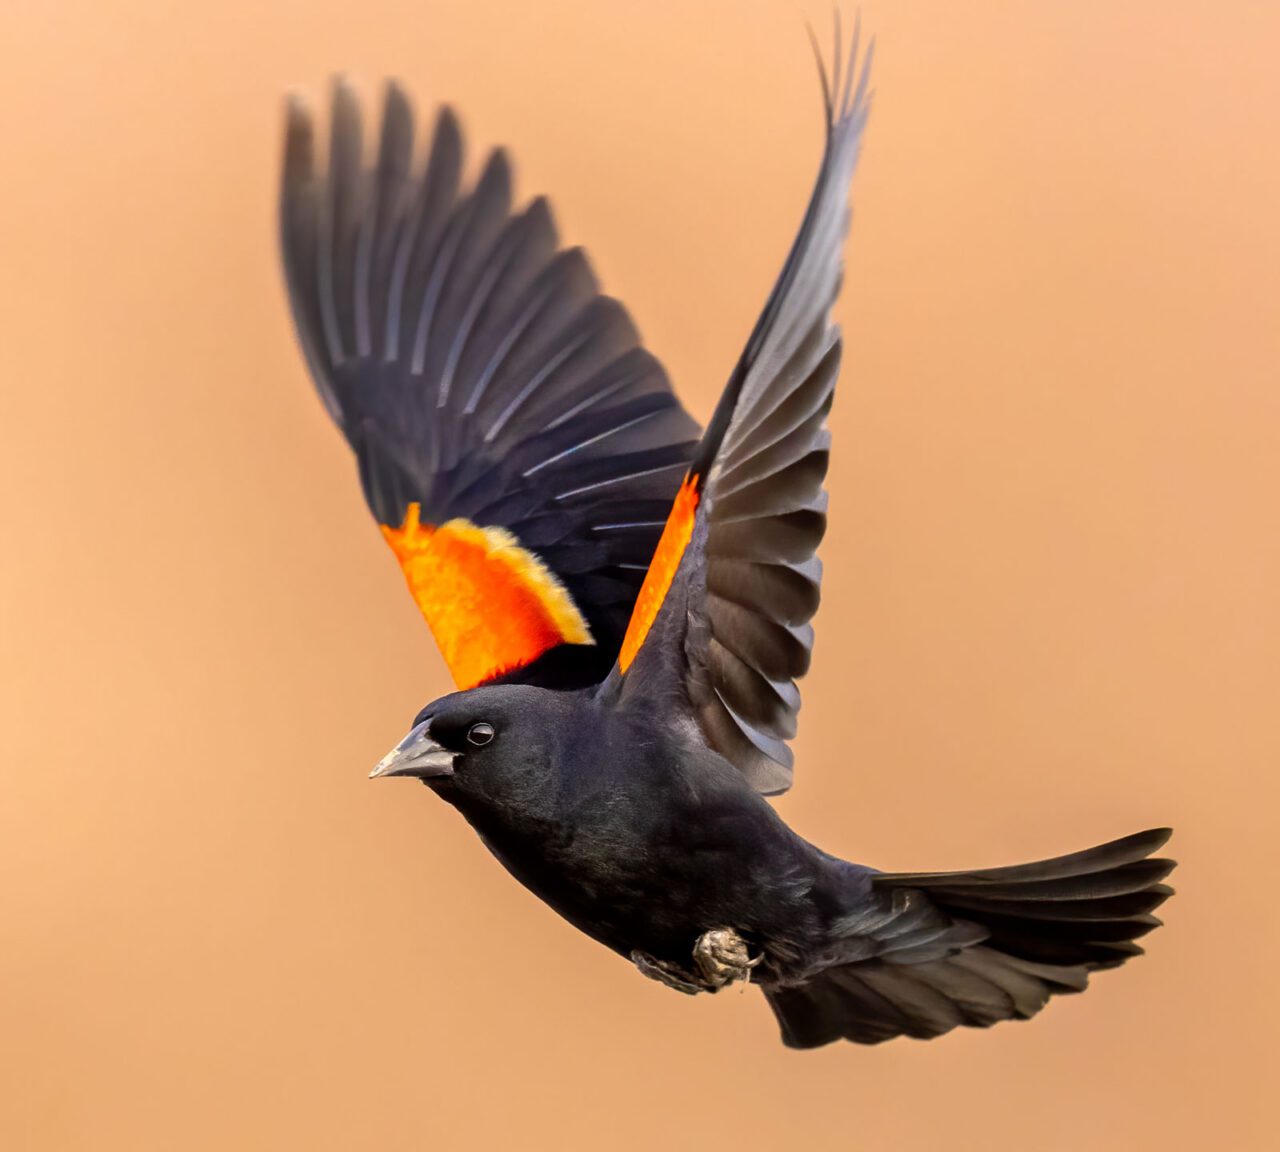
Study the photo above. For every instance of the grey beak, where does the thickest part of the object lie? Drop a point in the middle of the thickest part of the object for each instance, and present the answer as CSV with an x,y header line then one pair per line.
x,y
416,755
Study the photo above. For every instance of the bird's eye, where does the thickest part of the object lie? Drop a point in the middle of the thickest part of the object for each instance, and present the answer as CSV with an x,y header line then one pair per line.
x,y
480,734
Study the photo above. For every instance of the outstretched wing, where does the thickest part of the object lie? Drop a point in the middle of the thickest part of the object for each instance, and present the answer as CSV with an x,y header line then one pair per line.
x,y
723,616
518,446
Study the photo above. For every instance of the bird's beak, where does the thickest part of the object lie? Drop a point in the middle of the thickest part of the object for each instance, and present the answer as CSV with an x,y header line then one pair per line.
x,y
416,755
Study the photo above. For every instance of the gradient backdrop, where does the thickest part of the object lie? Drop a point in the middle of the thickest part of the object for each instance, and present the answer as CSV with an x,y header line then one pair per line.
x,y
1051,610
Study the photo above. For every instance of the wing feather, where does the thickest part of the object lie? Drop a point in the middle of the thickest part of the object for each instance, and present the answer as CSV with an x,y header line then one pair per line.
x,y
729,624
500,408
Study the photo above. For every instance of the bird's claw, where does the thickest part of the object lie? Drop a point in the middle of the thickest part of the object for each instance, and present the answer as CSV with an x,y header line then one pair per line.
x,y
720,958
672,975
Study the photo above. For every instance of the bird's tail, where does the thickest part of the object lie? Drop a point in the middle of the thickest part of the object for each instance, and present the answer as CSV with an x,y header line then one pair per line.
x,y
1011,938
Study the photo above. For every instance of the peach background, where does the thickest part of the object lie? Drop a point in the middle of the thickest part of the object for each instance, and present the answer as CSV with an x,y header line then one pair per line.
x,y
1051,613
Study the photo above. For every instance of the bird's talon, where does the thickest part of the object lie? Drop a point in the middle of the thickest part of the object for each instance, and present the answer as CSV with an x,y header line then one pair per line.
x,y
672,975
722,958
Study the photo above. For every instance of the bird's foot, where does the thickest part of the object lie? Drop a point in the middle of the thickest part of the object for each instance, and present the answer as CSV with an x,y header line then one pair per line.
x,y
672,975
720,958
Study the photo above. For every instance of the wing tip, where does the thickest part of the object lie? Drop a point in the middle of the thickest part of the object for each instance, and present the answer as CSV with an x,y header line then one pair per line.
x,y
845,92
395,95
448,126
299,139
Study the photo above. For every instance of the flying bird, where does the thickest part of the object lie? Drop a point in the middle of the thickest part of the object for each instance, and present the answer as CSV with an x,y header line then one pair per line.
x,y
624,599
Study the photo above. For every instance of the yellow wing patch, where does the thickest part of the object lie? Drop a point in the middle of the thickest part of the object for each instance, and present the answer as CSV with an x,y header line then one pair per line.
x,y
490,604
662,569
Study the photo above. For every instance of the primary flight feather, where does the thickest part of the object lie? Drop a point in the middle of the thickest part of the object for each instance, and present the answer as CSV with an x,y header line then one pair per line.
x,y
624,599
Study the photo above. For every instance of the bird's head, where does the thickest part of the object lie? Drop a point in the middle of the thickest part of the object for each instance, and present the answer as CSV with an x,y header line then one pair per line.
x,y
494,745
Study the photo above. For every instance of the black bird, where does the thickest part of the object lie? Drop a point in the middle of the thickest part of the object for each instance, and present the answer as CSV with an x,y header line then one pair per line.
x,y
625,602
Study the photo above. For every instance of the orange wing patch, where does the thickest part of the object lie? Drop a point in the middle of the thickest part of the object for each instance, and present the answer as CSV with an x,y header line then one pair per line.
x,y
662,569
490,604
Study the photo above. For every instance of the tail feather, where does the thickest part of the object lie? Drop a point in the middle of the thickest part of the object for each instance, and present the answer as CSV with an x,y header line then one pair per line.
x,y
1121,880
1019,936
1086,908
1126,850
1100,908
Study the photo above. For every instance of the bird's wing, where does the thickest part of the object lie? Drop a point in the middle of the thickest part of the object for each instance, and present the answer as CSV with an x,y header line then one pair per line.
x,y
722,621
517,445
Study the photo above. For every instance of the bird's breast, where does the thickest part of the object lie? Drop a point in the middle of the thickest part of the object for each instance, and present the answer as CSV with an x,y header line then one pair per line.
x,y
634,873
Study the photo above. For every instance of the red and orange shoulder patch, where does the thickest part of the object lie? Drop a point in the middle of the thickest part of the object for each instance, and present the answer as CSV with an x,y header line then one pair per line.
x,y
662,568
491,604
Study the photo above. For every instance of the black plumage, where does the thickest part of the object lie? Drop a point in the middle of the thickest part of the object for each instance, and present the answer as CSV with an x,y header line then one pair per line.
x,y
647,591
474,366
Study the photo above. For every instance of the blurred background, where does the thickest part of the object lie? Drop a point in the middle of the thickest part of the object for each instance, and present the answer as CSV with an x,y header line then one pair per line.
x,y
1051,612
